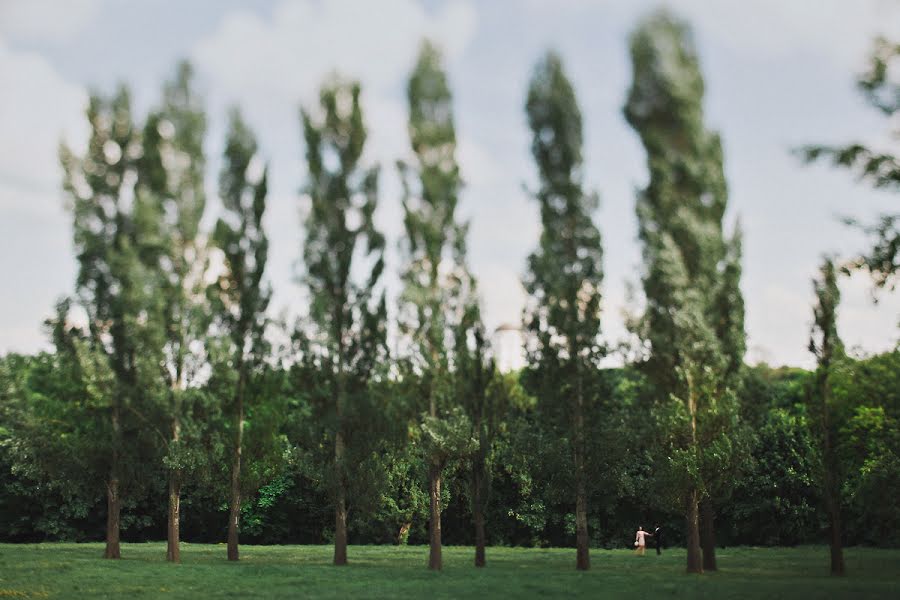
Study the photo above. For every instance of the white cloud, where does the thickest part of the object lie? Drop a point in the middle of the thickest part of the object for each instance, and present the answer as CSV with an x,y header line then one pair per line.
x,y
779,321
37,106
46,20
839,30
862,324
289,55
271,66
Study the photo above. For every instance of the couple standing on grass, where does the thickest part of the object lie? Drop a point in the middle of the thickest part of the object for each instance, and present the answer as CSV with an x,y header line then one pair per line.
x,y
640,540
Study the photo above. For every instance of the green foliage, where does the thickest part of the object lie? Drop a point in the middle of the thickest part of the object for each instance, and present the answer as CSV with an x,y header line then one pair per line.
x,y
349,315
239,296
564,275
447,436
438,289
776,500
866,404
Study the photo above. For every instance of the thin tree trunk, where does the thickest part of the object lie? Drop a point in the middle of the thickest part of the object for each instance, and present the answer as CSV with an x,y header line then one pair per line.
x,y
113,507
708,535
173,533
340,497
582,540
434,488
478,510
694,558
832,503
113,502
340,508
234,512
832,493
173,549
435,562
692,516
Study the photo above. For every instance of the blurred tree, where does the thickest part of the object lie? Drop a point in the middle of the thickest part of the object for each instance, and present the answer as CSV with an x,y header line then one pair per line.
x,y
881,87
562,316
692,273
344,258
438,301
827,347
113,224
485,398
171,172
239,296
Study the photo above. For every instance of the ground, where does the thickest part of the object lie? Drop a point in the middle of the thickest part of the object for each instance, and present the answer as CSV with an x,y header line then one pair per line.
x,y
77,571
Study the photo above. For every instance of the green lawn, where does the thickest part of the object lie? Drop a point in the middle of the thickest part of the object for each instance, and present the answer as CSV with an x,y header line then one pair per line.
x,y
77,571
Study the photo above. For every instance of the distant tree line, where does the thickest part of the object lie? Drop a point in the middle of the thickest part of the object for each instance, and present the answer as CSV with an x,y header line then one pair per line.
x,y
171,408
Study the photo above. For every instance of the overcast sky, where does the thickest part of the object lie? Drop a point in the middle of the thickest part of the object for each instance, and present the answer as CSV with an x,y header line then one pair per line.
x,y
778,74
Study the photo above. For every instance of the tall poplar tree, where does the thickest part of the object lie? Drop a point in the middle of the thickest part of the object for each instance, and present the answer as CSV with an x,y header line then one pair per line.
x,y
565,273
438,288
680,224
171,172
111,223
826,345
344,258
240,296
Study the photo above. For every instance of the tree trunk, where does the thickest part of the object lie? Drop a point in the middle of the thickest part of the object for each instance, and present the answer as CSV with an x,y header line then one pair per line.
x,y
173,536
582,541
832,492
234,512
478,511
694,559
833,506
434,554
340,507
113,502
708,535
113,507
837,548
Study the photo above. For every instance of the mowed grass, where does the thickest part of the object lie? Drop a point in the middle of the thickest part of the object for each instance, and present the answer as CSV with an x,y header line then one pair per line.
x,y
78,571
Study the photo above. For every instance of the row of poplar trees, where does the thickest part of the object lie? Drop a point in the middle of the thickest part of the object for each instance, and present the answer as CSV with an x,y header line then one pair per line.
x,y
177,317
691,329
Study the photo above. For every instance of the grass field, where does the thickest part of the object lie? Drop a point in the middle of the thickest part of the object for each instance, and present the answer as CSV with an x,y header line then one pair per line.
x,y
77,571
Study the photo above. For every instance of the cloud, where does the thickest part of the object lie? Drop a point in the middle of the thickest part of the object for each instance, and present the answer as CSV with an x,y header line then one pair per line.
x,y
772,29
46,20
289,54
273,65
37,106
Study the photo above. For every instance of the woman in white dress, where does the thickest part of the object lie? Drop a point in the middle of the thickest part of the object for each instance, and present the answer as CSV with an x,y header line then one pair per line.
x,y
640,542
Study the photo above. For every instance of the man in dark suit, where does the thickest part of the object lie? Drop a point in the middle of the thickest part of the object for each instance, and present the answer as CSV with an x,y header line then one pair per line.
x,y
657,535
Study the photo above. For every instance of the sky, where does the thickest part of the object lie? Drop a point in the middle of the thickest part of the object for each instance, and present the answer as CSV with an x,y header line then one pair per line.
x,y
778,75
